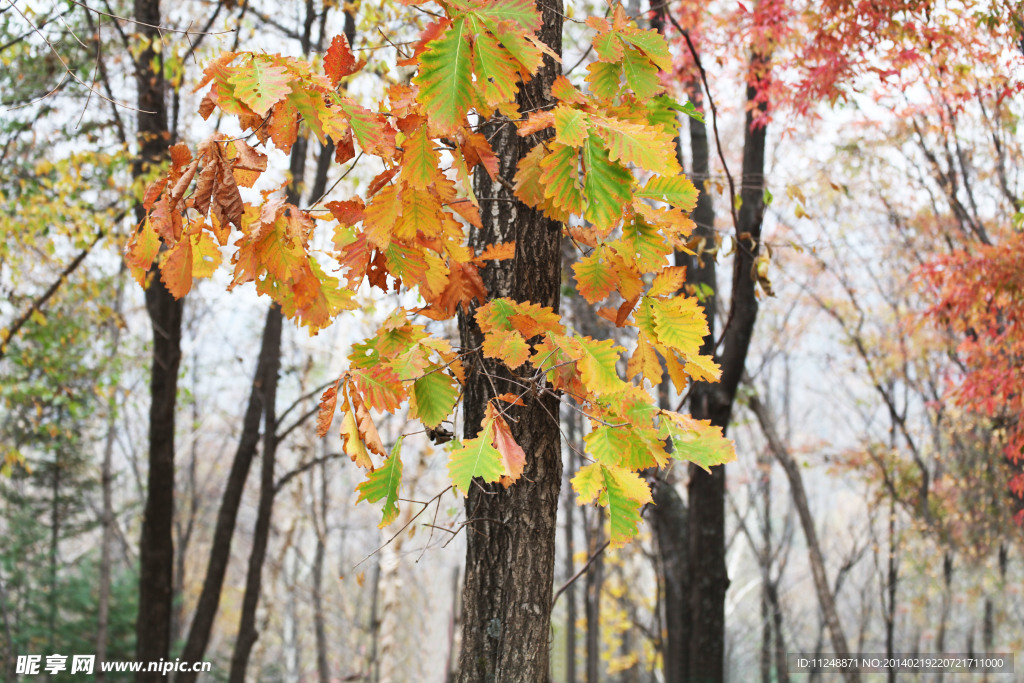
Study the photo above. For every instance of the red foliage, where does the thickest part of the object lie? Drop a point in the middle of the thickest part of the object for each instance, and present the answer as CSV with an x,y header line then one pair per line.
x,y
979,298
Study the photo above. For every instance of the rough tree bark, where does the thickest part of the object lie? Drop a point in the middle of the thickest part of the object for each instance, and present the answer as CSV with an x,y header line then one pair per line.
x,y
510,538
156,546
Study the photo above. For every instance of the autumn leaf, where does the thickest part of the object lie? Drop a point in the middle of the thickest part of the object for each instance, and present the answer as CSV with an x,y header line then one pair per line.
x,y
512,456
339,60
650,148
476,457
597,361
261,85
679,323
434,397
352,444
696,441
595,276
444,79
383,483
605,186
325,414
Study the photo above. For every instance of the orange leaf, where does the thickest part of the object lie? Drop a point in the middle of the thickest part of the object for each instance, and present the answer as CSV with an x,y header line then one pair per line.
x,y
496,252
339,60
364,423
512,455
325,415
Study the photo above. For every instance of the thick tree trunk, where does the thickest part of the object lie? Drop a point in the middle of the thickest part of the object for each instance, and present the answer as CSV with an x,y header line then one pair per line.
x,y
156,546
510,553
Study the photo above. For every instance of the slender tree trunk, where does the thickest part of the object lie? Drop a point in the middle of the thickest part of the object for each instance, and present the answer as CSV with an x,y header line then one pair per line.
x,y
373,663
510,554
54,545
891,579
220,550
570,566
453,623
670,528
247,633
156,546
319,622
781,669
594,584
107,480
817,559
947,598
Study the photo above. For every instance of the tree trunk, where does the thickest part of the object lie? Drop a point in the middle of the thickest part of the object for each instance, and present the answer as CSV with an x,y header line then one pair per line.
x,y
156,546
107,480
892,577
247,633
594,584
570,566
817,559
947,599
670,528
706,499
510,554
319,622
220,550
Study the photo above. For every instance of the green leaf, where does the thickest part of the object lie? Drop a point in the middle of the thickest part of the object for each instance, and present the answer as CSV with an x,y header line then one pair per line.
x,y
641,74
697,441
496,75
435,394
690,109
625,494
383,483
621,491
676,190
623,446
446,88
653,45
597,365
606,185
679,323
475,457
604,79
560,178
651,148
261,85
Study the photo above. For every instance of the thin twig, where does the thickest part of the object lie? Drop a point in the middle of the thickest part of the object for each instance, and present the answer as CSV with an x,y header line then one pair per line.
x,y
580,573
404,527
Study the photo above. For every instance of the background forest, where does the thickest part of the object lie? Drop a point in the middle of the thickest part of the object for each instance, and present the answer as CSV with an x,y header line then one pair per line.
x,y
856,246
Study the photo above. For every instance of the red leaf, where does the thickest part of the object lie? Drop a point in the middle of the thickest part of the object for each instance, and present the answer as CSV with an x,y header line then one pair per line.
x,y
339,60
